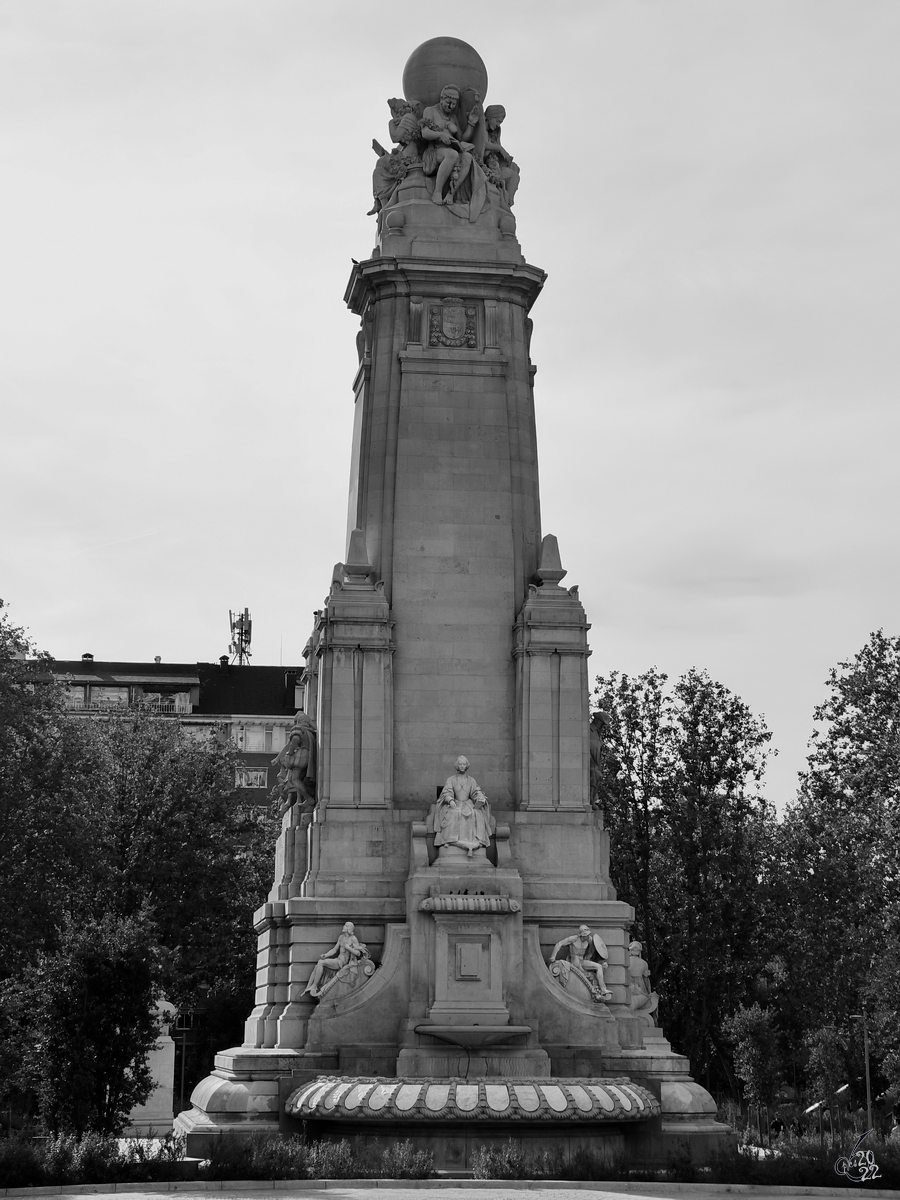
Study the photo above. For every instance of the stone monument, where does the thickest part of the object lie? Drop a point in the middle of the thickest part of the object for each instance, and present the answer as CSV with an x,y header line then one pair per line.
x,y
439,957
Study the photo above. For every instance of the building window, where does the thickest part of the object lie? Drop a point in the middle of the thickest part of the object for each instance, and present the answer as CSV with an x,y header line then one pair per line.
x,y
168,702
254,739
250,777
109,697
73,697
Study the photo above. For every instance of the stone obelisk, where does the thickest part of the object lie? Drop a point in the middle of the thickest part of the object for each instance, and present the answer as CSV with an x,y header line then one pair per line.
x,y
442,880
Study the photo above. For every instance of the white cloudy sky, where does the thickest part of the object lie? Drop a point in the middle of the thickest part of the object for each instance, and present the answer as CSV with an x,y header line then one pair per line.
x,y
712,186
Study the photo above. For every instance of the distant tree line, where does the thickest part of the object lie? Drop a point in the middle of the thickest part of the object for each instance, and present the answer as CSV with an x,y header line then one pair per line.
x,y
129,871
768,937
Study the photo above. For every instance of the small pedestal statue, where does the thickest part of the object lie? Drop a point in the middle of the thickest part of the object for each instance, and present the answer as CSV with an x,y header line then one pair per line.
x,y
586,959
463,820
341,963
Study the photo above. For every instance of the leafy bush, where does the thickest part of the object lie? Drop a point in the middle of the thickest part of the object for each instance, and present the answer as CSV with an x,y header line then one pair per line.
x,y
267,1156
510,1162
401,1161
793,1164
67,1159
503,1162
800,1163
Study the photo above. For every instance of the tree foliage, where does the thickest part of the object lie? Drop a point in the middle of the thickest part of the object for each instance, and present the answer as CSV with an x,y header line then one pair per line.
x,y
84,1019
839,882
690,832
757,1058
112,826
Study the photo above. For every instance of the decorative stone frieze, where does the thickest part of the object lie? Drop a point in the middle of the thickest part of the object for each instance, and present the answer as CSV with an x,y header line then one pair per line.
x,y
372,1098
471,904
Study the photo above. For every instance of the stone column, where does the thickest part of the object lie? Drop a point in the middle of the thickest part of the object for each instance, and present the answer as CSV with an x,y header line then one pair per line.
x,y
354,709
552,732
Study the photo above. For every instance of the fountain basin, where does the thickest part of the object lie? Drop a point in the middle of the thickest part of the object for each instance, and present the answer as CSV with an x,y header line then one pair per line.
x,y
472,1037
332,1098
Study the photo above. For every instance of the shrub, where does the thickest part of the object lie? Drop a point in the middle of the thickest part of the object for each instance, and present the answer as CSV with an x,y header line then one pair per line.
x,y
21,1162
26,1162
267,1156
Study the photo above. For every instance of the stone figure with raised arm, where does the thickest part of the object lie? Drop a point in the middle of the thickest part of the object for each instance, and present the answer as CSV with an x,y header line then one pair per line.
x,y
392,165
587,957
448,151
463,815
347,951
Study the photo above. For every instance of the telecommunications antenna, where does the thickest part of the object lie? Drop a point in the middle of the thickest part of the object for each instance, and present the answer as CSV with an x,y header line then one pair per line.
x,y
241,627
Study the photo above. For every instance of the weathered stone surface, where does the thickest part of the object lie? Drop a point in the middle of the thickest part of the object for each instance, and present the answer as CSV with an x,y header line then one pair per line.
x,y
447,630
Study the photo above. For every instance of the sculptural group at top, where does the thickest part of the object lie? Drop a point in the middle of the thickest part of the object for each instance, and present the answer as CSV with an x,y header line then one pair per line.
x,y
456,142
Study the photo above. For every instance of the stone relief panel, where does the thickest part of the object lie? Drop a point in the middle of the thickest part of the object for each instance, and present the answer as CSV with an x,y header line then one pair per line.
x,y
453,323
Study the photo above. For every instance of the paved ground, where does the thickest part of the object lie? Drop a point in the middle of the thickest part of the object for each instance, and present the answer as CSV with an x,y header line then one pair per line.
x,y
484,1190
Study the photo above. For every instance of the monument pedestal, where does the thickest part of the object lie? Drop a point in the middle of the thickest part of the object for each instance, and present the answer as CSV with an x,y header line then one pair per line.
x,y
440,968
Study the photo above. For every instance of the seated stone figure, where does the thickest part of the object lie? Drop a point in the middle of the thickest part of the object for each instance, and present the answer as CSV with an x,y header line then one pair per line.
x,y
499,163
459,180
346,952
463,816
587,956
643,999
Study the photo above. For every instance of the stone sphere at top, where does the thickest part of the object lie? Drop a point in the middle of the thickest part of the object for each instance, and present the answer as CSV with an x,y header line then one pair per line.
x,y
440,61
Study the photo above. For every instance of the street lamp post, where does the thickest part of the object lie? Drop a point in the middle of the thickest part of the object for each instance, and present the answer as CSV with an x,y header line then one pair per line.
x,y
865,1027
845,1087
817,1108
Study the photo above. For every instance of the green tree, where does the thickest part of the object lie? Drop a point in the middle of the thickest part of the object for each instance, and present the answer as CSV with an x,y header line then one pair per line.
x,y
85,1025
690,834
839,901
130,819
757,1058
44,802
174,842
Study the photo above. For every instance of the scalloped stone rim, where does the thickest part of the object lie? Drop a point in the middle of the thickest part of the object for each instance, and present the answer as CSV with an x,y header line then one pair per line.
x,y
375,1098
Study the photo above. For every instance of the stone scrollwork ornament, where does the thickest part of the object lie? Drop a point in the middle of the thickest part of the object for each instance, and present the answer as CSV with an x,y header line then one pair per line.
x,y
586,958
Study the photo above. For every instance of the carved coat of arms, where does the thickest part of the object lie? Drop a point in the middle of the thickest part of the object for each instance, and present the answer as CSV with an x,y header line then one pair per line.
x,y
453,323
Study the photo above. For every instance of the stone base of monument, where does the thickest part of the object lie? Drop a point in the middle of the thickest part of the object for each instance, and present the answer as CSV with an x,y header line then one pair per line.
x,y
611,1118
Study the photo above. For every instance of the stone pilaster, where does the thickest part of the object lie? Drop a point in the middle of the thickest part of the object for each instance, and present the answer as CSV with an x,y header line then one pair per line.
x,y
353,649
551,652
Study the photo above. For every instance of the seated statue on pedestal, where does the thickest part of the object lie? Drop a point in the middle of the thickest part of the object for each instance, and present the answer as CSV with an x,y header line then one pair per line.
x,y
343,959
644,1001
463,816
586,959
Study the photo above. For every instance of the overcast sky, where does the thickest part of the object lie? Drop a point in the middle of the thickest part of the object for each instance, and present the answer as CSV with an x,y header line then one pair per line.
x,y
713,187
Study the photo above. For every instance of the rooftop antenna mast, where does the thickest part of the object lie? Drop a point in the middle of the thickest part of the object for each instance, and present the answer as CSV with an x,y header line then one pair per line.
x,y
241,627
